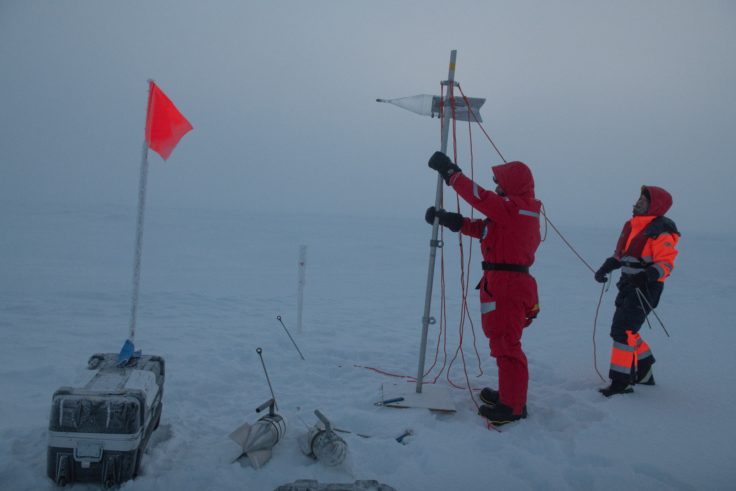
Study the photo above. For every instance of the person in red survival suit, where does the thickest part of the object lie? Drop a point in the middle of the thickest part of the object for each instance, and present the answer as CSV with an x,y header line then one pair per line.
x,y
646,253
509,237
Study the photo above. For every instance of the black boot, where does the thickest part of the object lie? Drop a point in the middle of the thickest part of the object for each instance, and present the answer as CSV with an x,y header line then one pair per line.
x,y
645,377
490,398
500,414
617,387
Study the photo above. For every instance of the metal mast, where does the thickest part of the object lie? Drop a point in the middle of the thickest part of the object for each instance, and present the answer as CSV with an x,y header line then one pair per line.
x,y
434,243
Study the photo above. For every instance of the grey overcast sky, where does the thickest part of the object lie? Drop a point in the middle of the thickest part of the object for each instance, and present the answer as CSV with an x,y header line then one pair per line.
x,y
598,97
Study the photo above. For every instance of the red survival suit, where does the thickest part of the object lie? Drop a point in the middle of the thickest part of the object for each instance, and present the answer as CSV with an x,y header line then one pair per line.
x,y
509,238
646,244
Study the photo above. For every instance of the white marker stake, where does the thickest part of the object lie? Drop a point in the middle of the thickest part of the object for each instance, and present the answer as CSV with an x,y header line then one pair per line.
x,y
302,281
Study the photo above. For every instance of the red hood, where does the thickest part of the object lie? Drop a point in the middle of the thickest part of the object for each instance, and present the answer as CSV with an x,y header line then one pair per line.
x,y
515,178
659,200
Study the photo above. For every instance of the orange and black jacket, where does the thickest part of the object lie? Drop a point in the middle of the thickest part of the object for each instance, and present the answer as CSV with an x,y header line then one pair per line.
x,y
647,242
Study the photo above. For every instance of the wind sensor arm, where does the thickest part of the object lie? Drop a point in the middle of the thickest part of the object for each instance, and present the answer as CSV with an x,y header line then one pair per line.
x,y
429,105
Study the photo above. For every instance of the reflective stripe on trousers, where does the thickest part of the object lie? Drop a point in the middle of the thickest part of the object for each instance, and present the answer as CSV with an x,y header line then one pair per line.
x,y
625,357
486,307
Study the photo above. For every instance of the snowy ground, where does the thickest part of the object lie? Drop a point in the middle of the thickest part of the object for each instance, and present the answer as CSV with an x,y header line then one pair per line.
x,y
213,284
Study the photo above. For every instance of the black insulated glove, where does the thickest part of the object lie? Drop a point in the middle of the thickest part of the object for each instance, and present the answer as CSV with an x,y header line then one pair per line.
x,y
442,164
608,265
453,221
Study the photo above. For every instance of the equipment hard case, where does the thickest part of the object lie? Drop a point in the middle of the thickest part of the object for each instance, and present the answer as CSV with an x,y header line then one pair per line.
x,y
98,433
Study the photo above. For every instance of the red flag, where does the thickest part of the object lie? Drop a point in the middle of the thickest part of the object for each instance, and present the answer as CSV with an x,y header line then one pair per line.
x,y
165,125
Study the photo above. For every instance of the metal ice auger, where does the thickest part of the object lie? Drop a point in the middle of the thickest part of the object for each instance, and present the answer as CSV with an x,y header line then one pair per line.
x,y
257,440
324,444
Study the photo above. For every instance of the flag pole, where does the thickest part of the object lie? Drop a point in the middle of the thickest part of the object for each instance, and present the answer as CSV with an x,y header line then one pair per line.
x,y
434,243
128,350
138,241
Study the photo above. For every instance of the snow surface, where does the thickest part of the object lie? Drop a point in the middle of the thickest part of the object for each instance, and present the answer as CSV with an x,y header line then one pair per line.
x,y
214,282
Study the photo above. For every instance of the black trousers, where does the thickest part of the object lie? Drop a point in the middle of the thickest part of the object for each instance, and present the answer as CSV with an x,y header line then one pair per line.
x,y
631,357
631,311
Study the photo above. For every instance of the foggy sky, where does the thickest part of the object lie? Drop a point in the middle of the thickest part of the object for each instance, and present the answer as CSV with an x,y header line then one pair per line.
x,y
597,97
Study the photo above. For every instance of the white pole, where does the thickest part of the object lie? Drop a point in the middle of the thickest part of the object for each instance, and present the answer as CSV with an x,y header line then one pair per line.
x,y
139,230
302,282
138,242
434,243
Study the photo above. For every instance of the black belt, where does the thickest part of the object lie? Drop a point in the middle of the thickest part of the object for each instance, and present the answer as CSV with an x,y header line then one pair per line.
x,y
517,268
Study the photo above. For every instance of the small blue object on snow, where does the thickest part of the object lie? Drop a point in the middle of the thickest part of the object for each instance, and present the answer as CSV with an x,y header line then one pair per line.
x,y
127,352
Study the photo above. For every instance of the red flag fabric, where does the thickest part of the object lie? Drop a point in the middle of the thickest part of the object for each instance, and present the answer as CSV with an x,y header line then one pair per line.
x,y
165,125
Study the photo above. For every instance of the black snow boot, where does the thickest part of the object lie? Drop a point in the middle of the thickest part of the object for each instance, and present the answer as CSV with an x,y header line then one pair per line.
x,y
500,414
617,387
646,377
489,396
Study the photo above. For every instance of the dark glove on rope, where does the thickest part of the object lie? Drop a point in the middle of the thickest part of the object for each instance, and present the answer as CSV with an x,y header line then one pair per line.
x,y
442,164
608,265
453,221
